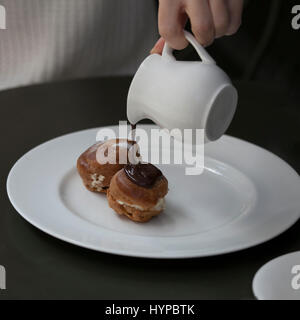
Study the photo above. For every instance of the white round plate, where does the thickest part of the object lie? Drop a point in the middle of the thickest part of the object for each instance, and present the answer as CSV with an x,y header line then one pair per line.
x,y
279,279
245,196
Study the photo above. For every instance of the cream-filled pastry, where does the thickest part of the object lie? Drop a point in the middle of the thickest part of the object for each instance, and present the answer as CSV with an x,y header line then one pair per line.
x,y
98,164
138,192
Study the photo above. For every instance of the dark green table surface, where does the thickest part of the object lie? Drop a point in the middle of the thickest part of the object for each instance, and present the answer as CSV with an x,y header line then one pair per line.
x,y
42,267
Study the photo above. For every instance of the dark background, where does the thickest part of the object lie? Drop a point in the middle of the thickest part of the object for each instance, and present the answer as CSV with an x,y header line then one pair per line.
x,y
263,61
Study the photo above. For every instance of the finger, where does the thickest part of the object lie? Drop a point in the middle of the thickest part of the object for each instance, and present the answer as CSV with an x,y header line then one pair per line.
x,y
201,20
171,20
220,14
235,8
158,47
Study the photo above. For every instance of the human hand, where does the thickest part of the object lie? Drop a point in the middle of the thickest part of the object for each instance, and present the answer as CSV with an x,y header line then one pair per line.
x,y
209,19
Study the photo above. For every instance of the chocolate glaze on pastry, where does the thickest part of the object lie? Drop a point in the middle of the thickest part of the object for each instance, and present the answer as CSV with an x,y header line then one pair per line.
x,y
143,174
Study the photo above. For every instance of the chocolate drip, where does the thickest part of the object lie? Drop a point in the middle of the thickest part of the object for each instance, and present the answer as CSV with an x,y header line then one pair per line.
x,y
142,174
133,127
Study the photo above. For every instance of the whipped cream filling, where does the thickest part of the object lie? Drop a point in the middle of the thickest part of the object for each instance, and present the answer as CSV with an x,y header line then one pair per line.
x,y
97,180
160,204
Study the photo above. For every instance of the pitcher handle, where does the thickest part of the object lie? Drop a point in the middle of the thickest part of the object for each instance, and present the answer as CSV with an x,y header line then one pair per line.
x,y
203,54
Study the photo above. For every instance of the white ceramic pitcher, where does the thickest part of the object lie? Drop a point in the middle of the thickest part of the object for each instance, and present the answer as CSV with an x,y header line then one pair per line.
x,y
183,94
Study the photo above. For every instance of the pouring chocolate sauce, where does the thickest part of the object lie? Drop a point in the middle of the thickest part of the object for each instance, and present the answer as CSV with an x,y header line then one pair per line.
x,y
142,174
133,127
